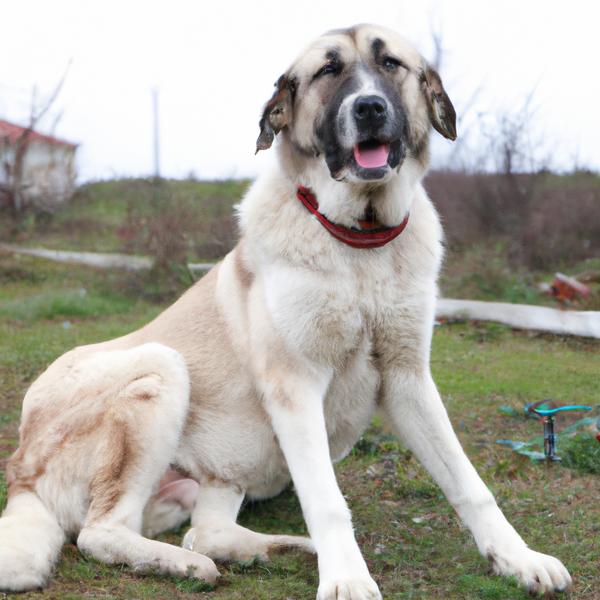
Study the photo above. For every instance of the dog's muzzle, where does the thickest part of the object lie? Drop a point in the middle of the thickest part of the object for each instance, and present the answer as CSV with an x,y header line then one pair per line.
x,y
370,115
362,135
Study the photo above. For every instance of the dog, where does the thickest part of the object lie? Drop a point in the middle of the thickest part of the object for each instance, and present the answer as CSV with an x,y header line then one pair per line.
x,y
272,365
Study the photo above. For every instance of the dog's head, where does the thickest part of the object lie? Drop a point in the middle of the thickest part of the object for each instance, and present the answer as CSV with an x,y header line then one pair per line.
x,y
361,99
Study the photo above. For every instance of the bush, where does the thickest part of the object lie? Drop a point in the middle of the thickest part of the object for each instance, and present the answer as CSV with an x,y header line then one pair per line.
x,y
563,227
174,224
543,221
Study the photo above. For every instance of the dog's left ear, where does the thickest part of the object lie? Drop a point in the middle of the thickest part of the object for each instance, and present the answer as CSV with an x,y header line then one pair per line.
x,y
441,111
277,113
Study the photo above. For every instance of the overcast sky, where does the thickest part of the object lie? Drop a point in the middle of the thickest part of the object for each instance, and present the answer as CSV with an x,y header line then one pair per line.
x,y
215,63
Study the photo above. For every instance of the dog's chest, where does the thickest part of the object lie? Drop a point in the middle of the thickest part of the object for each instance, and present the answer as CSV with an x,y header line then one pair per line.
x,y
328,317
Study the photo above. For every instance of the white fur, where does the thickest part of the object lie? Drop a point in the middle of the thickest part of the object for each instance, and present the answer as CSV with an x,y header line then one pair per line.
x,y
215,533
30,541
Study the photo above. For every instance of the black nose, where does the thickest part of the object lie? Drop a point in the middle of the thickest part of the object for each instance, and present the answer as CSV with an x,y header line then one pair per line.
x,y
370,110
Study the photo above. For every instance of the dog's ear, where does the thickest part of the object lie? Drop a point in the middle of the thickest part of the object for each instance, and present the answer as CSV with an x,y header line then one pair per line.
x,y
277,113
441,111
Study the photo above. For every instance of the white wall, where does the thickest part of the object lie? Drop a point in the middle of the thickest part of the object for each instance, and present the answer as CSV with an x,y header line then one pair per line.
x,y
48,173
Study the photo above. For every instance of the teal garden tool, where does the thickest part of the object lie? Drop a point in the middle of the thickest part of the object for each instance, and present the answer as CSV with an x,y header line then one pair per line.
x,y
547,417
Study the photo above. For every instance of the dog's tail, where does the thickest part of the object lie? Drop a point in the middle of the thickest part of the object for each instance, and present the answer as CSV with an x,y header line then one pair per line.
x,y
30,542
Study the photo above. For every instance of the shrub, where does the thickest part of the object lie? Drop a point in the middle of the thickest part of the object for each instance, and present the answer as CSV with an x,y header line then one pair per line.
x,y
581,452
543,221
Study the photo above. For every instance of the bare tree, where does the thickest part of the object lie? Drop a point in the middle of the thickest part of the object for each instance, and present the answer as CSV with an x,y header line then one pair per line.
x,y
508,166
14,190
455,159
512,143
437,39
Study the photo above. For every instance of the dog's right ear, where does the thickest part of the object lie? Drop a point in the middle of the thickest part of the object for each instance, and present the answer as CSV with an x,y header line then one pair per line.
x,y
277,113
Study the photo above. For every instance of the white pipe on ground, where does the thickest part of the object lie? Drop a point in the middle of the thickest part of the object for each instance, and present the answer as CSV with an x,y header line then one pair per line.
x,y
522,316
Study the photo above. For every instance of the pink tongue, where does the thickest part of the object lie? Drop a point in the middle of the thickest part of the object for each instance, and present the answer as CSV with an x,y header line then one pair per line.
x,y
370,158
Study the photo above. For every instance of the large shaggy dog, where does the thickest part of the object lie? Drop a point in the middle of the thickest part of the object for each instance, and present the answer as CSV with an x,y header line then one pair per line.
x,y
272,365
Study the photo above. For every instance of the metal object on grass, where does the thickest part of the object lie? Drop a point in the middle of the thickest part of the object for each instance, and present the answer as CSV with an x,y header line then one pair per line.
x,y
547,415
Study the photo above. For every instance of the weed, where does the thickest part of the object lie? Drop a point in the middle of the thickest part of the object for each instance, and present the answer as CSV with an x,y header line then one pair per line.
x,y
194,586
375,442
480,587
3,491
9,416
487,332
581,452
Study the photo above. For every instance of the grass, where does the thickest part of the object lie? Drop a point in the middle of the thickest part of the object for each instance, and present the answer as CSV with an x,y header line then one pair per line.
x,y
482,272
410,537
94,219
581,452
77,303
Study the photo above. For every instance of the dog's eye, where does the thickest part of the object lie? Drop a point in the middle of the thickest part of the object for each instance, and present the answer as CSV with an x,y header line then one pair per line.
x,y
390,63
331,68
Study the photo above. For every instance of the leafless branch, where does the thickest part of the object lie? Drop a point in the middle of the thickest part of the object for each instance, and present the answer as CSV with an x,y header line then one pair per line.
x,y
438,44
15,189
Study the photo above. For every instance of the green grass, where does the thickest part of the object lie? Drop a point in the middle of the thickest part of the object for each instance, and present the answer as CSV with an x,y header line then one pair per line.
x,y
486,364
2,490
581,452
483,272
94,219
573,181
64,303
412,542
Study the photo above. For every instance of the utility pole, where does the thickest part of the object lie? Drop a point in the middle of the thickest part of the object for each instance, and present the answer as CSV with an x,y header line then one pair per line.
x,y
156,133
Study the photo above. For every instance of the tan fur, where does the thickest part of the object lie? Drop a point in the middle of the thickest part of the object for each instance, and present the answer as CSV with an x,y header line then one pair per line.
x,y
244,275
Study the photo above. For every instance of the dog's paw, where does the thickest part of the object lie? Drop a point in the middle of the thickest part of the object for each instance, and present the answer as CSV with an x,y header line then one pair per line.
x,y
197,566
539,573
349,589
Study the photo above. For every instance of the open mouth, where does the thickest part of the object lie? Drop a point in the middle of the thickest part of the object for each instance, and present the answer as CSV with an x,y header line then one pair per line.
x,y
371,154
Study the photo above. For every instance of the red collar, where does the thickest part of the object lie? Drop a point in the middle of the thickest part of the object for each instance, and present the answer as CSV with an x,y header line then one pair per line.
x,y
357,238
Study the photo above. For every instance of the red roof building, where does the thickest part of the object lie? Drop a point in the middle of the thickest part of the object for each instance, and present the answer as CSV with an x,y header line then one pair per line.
x,y
47,174
11,133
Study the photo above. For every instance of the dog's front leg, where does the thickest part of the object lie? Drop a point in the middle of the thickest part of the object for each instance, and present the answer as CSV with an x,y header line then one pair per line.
x,y
295,405
421,421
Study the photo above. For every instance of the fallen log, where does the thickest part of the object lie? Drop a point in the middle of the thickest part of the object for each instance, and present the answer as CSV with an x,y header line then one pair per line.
x,y
522,316
101,260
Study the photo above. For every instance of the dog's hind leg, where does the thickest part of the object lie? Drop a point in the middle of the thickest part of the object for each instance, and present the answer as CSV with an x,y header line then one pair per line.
x,y
143,425
30,542
114,543
215,532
